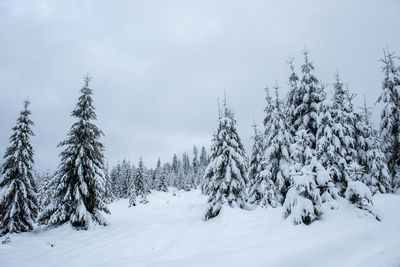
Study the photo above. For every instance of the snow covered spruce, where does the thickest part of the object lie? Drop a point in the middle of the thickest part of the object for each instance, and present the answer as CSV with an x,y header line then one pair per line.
x,y
18,204
79,182
225,176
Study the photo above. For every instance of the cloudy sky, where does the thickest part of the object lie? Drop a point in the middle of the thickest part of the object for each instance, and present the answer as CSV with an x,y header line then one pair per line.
x,y
158,67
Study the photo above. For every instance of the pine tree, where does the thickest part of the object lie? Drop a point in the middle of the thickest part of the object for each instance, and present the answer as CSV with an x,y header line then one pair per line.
x,y
188,183
307,102
369,153
203,161
256,188
295,95
203,157
116,174
161,181
390,116
46,190
336,143
303,201
108,194
227,171
139,187
126,178
357,192
18,203
175,167
276,161
195,167
80,178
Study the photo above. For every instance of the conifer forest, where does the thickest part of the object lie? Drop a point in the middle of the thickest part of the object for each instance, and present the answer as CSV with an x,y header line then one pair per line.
x,y
315,182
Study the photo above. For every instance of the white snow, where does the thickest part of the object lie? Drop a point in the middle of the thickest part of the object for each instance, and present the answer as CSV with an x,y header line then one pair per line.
x,y
169,231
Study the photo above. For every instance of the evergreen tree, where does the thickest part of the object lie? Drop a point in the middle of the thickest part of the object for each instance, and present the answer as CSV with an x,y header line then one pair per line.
x,y
357,192
336,143
303,201
227,171
161,181
139,187
126,178
108,194
80,178
116,174
195,167
18,203
175,167
276,161
390,116
46,190
256,189
187,173
203,157
307,102
195,161
370,156
295,95
203,161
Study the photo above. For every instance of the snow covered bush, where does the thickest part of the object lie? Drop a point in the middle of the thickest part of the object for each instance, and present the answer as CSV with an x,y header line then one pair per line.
x,y
303,202
359,194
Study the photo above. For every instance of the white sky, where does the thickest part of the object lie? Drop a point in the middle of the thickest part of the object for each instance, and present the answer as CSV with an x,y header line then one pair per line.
x,y
158,67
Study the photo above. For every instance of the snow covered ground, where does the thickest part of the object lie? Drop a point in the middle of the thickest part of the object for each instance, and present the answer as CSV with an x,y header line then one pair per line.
x,y
169,231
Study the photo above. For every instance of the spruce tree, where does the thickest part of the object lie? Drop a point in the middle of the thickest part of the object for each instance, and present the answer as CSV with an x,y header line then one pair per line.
x,y
108,194
161,181
227,171
203,161
203,158
276,161
188,182
336,136
390,116
80,178
307,102
369,153
295,95
18,203
303,201
256,189
46,190
139,187
195,167
116,174
126,178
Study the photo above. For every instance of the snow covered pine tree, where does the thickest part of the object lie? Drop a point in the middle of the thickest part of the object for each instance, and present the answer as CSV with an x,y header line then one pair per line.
x,y
390,117
255,189
275,163
80,178
18,203
226,173
139,187
370,155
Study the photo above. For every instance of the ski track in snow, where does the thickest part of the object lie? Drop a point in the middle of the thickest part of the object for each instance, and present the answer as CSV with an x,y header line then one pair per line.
x,y
169,231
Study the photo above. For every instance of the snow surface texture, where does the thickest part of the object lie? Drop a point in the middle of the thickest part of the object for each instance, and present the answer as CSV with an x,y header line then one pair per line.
x,y
169,231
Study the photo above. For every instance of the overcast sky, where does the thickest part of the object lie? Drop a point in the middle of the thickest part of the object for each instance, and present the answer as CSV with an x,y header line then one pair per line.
x,y
158,67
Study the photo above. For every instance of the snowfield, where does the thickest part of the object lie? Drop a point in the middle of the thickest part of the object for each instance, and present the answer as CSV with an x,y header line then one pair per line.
x,y
169,231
